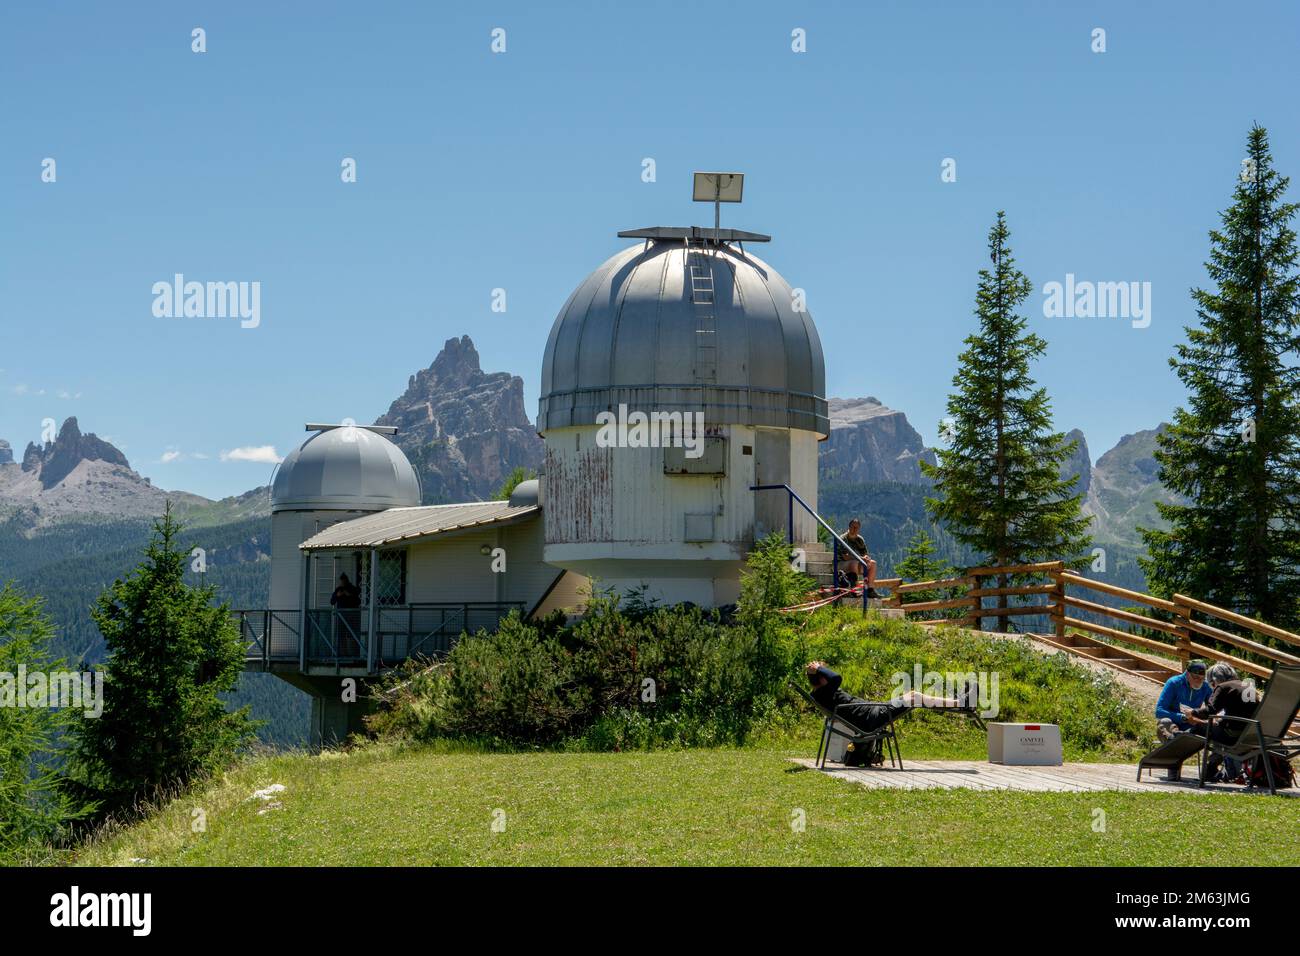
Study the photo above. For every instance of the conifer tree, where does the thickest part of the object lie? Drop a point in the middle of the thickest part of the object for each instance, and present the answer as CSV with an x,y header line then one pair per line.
x,y
998,485
172,653
34,808
1233,452
920,562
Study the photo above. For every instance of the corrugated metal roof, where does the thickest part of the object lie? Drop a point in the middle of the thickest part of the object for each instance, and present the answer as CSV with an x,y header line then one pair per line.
x,y
402,524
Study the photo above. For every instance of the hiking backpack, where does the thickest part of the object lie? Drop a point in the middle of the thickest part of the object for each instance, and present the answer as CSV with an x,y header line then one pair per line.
x,y
1283,774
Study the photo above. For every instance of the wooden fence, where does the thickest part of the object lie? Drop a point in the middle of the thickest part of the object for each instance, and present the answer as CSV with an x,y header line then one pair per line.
x,y
1178,630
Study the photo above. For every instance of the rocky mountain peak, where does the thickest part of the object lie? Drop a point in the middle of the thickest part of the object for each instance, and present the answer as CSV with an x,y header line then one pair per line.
x,y
1079,464
463,429
79,474
870,441
6,453
56,460
457,364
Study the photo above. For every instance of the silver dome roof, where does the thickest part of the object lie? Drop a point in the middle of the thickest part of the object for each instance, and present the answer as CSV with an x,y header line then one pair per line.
x,y
526,494
631,333
348,468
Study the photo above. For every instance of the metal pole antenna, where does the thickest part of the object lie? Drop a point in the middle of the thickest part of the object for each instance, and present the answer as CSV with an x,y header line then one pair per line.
x,y
717,207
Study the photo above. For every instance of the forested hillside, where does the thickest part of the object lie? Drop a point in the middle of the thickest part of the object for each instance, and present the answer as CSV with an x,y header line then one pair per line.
x,y
70,563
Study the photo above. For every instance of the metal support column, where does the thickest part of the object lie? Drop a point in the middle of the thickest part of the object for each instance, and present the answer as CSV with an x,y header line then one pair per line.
x,y
304,608
371,625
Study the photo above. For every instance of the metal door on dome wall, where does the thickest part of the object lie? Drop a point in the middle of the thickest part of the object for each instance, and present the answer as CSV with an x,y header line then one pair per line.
x,y
771,467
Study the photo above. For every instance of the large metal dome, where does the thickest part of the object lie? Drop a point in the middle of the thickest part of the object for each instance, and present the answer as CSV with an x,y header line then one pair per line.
x,y
635,333
348,468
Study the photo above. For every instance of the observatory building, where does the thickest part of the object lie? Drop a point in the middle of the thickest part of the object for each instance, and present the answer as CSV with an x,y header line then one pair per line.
x,y
686,322
339,473
347,502
682,400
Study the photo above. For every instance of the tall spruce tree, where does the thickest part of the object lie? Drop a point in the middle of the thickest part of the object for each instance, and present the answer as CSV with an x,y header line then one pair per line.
x,y
172,653
1233,453
34,809
998,484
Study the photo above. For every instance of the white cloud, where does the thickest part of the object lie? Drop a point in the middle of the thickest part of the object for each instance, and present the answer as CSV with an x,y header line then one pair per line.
x,y
19,390
264,454
169,456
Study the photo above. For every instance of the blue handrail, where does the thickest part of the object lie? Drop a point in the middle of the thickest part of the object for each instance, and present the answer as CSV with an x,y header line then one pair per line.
x,y
835,554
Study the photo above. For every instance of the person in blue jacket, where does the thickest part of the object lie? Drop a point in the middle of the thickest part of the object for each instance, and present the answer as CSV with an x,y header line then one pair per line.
x,y
1190,689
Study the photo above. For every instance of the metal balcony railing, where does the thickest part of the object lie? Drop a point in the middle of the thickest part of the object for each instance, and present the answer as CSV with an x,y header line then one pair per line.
x,y
341,636
850,554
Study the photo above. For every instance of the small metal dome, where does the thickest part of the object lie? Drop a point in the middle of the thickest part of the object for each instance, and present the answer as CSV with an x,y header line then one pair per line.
x,y
526,494
663,326
348,468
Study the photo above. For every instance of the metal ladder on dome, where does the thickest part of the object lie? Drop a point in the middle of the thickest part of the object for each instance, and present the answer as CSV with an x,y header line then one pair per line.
x,y
699,268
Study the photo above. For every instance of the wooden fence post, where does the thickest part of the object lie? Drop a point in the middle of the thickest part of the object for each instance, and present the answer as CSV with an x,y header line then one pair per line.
x,y
976,622
1058,599
1183,614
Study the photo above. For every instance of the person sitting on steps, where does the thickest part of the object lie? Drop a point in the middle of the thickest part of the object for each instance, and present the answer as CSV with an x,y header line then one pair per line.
x,y
853,538
1188,688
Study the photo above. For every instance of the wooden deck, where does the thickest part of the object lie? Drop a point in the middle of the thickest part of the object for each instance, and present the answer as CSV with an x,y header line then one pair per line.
x,y
1067,778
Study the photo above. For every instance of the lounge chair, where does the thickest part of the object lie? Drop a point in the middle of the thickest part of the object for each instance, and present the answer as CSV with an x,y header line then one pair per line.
x,y
859,737
1172,753
1264,732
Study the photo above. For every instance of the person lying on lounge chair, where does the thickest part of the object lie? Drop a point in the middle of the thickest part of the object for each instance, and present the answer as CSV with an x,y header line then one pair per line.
x,y
868,716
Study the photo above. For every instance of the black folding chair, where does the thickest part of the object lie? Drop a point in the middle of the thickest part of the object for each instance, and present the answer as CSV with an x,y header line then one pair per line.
x,y
1264,732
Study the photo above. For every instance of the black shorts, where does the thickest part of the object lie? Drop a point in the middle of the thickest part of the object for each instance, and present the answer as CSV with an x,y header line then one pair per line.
x,y
871,717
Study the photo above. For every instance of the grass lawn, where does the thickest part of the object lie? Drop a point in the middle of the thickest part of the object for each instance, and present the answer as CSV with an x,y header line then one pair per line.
x,y
420,806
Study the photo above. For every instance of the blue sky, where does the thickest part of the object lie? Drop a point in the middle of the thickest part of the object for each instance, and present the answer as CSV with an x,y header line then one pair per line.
x,y
479,171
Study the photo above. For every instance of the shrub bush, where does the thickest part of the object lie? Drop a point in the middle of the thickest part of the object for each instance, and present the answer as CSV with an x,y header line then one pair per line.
x,y
645,676
671,676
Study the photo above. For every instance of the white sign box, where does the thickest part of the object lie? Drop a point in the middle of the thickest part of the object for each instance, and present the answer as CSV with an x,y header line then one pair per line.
x,y
1025,745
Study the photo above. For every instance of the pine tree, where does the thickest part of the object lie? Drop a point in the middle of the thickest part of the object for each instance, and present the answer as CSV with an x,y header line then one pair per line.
x,y
920,562
998,484
33,807
172,653
1233,453
517,476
